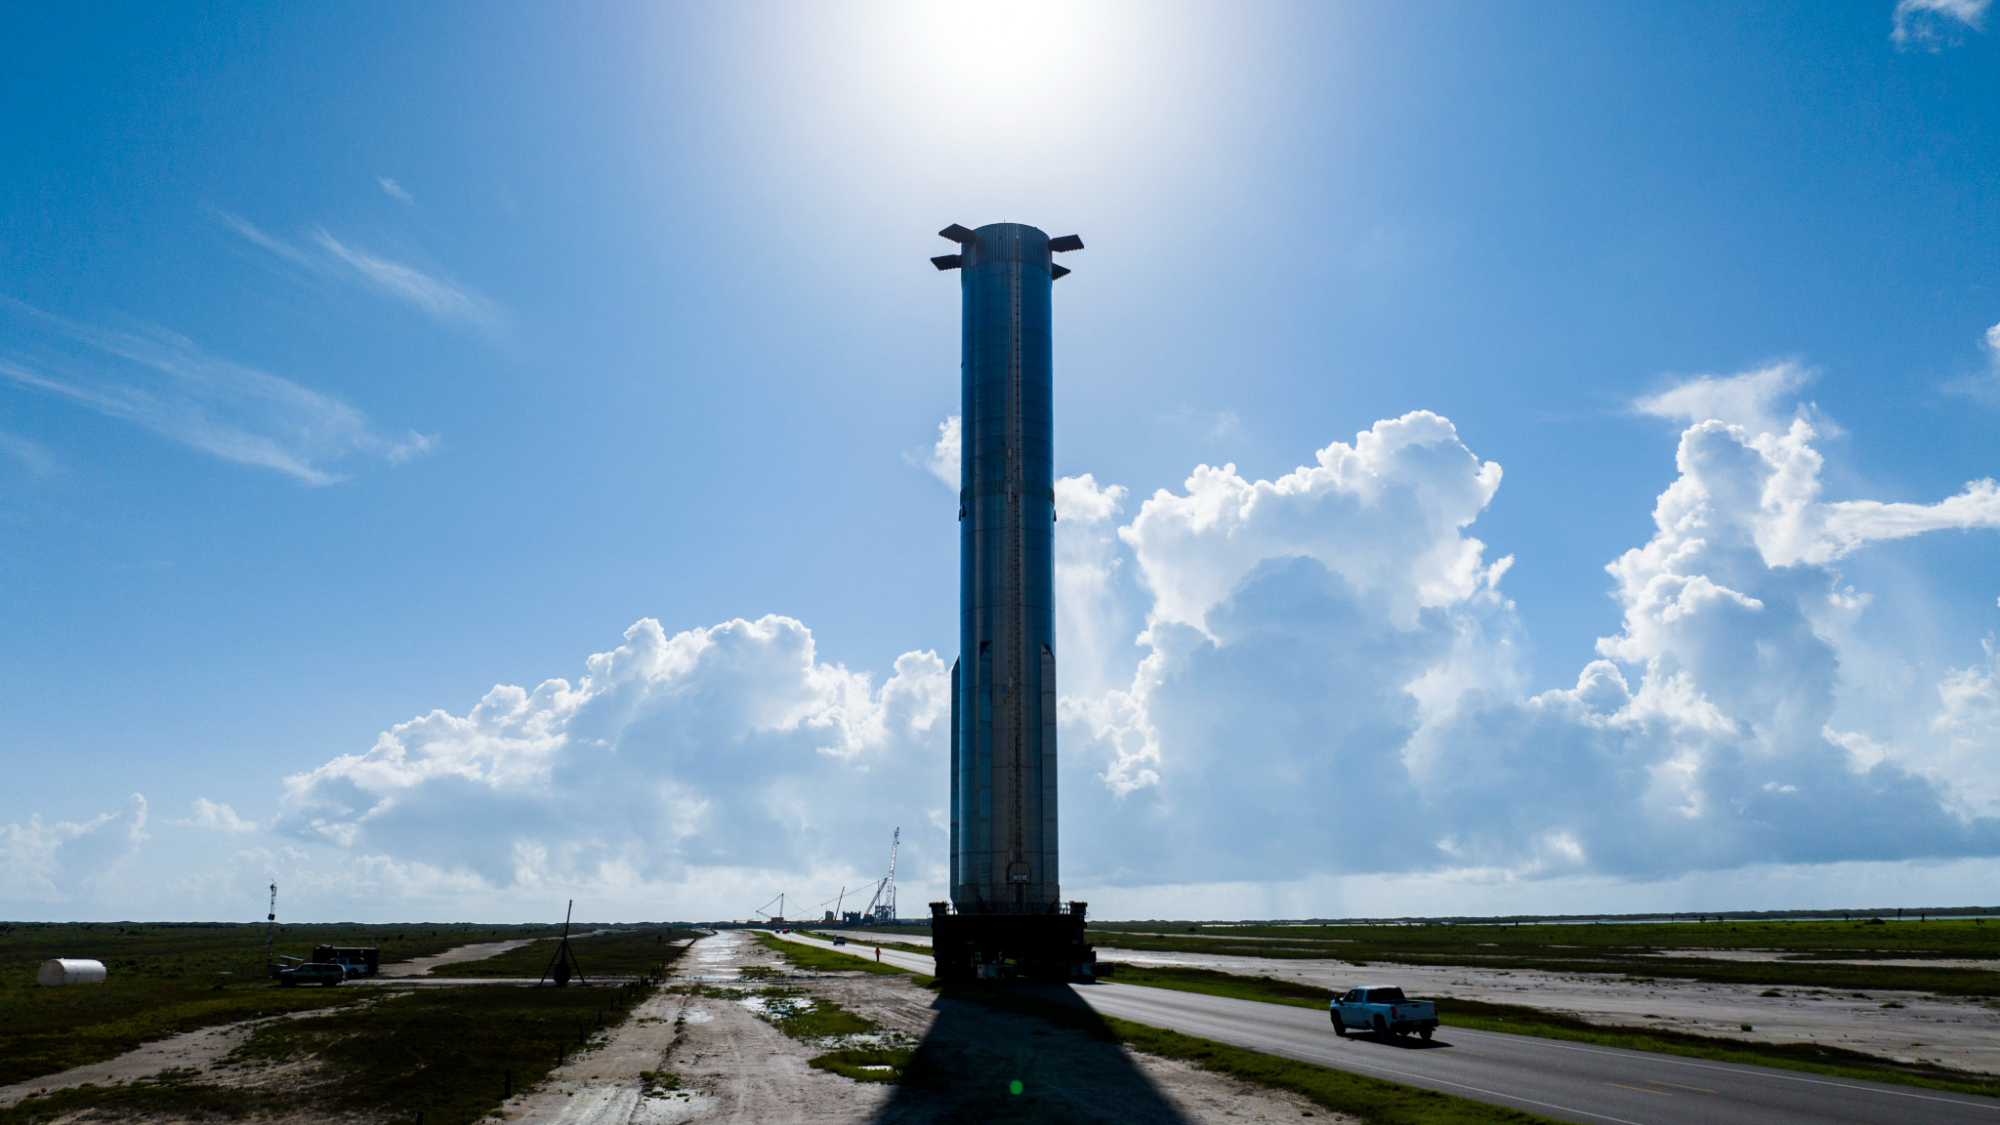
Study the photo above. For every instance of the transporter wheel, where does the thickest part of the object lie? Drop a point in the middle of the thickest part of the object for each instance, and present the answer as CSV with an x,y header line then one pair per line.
x,y
1381,1029
1339,1028
1425,1035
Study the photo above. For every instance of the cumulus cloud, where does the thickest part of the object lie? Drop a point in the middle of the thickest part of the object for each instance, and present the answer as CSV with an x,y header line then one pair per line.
x,y
729,754
941,458
165,383
216,815
69,860
443,301
1331,650
1932,25
1752,399
1983,385
1292,696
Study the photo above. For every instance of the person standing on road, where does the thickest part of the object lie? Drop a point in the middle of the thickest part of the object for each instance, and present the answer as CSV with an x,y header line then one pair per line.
x,y
878,953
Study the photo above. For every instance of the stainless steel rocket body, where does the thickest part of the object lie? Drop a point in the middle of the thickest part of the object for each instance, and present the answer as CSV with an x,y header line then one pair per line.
x,y
1003,745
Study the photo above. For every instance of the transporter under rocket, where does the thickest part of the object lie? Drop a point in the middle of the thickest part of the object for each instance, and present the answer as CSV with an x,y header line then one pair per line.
x,y
1006,917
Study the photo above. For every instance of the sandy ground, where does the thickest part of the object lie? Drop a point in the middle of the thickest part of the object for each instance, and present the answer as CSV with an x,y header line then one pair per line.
x,y
195,1050
421,966
734,1067
201,1051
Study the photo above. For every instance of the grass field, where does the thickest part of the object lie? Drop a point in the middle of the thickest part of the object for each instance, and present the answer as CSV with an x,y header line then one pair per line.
x,y
1531,1021
630,951
448,1053
168,978
1807,950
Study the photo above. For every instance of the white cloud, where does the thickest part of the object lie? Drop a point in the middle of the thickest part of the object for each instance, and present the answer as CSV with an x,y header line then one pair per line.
x,y
69,860
1290,697
441,300
941,458
1983,385
165,383
1407,482
727,756
1332,684
395,190
1932,25
214,814
1751,399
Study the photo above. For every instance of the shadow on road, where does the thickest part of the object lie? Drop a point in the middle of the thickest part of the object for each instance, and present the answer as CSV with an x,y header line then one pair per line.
x,y
1402,1043
979,1063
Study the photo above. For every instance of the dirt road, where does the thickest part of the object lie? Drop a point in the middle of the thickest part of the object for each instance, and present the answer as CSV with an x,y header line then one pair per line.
x,y
736,1068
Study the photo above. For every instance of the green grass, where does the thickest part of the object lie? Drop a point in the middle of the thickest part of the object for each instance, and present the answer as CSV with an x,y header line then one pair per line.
x,y
1632,949
170,1094
1549,1025
865,1064
169,978
447,1053
810,1017
824,960
637,951
1369,1099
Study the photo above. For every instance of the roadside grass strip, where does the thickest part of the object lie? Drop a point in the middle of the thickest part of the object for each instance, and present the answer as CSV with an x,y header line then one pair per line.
x,y
825,960
1373,1100
450,1054
1806,953
1519,1020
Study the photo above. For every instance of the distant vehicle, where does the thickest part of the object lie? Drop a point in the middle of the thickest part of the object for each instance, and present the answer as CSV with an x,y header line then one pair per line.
x,y
1383,1009
839,940
328,973
368,958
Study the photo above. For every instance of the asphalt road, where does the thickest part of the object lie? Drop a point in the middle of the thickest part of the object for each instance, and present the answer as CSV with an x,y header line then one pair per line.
x,y
1569,1081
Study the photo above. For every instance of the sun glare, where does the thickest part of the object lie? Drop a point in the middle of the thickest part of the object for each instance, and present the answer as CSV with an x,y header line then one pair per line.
x,y
1020,64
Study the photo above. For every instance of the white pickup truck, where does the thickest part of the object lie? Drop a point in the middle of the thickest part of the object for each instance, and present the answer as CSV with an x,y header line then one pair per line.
x,y
1383,1009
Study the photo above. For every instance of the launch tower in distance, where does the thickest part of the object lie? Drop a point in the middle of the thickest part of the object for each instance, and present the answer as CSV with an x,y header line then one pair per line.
x,y
1006,917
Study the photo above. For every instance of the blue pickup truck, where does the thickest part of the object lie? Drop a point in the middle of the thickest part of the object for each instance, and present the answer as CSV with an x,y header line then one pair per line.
x,y
1384,1010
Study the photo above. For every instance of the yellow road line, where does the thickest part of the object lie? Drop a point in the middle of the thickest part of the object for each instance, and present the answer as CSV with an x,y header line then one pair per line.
x,y
1678,1086
1641,1089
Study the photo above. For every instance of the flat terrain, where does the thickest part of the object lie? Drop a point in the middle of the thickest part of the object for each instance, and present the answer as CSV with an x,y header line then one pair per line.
x,y
1611,975
739,1067
1564,1080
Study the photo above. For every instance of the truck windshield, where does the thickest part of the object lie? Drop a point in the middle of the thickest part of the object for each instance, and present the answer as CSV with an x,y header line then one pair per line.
x,y
1385,996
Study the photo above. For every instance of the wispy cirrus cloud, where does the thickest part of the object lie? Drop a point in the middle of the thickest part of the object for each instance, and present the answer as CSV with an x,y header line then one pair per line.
x,y
443,301
1932,25
395,190
164,382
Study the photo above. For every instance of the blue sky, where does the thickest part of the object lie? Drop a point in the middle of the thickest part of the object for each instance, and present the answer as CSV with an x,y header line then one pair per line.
x,y
353,363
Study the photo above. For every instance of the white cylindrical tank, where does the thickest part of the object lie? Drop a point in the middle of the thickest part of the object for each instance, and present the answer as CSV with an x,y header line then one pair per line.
x,y
69,970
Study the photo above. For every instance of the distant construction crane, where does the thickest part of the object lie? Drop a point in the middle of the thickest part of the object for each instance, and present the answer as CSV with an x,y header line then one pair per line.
x,y
882,908
838,901
770,917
